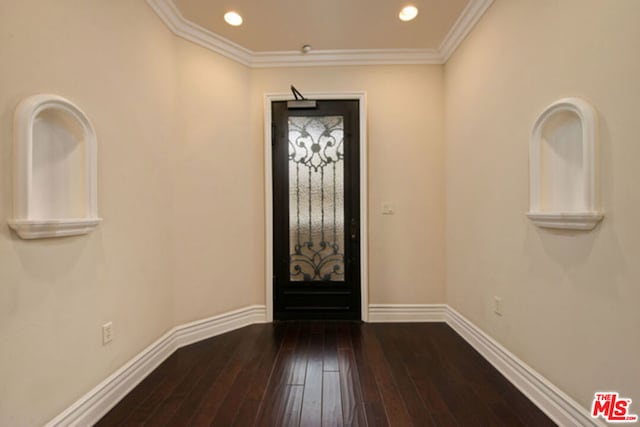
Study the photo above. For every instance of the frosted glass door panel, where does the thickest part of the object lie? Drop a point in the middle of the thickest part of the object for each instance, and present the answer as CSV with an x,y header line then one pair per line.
x,y
316,198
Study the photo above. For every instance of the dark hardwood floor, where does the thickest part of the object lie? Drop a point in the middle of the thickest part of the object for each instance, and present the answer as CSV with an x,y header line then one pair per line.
x,y
327,374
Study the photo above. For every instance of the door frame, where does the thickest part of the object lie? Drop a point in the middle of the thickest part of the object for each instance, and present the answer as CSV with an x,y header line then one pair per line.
x,y
268,193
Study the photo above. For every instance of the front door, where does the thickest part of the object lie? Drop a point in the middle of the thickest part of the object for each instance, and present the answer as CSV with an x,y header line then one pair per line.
x,y
316,211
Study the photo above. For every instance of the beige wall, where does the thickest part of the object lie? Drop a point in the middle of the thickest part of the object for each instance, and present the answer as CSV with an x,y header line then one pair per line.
x,y
405,142
218,252
570,298
114,59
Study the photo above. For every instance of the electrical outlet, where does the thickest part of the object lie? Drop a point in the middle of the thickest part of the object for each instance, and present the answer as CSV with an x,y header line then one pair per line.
x,y
107,333
497,305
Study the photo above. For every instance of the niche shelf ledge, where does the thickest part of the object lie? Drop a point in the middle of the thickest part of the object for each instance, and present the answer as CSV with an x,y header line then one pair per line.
x,y
563,167
55,190
569,221
35,229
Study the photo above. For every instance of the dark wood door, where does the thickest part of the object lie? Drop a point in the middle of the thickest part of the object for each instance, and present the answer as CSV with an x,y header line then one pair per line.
x,y
316,211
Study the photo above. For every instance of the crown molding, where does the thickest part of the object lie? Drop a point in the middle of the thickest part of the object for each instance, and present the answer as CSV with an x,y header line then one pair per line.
x,y
462,27
345,57
180,26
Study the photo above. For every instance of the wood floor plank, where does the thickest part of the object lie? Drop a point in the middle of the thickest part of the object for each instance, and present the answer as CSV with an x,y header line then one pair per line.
x,y
277,383
327,373
330,352
463,404
343,335
290,339
394,346
247,351
292,404
265,369
250,358
374,409
216,394
132,401
353,410
394,405
331,400
311,415
247,415
432,399
226,414
167,372
215,365
285,407
258,387
288,371
505,415
170,392
376,415
171,405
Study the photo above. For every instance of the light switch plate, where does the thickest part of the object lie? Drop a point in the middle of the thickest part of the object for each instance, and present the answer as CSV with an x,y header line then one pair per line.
x,y
388,208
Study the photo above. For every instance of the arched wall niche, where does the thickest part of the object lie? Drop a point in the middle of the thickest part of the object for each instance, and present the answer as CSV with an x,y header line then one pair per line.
x,y
563,167
55,190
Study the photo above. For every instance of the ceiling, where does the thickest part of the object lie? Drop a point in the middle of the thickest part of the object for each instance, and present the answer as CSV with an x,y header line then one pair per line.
x,y
286,25
341,32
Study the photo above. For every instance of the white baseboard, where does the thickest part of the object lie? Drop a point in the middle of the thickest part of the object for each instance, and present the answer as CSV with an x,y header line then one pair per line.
x,y
550,399
199,330
397,313
96,403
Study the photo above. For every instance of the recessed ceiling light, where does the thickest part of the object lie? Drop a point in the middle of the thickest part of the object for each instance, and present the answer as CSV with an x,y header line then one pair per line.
x,y
233,18
408,13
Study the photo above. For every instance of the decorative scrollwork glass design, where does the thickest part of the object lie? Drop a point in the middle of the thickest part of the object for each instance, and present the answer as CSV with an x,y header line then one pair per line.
x,y
316,198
